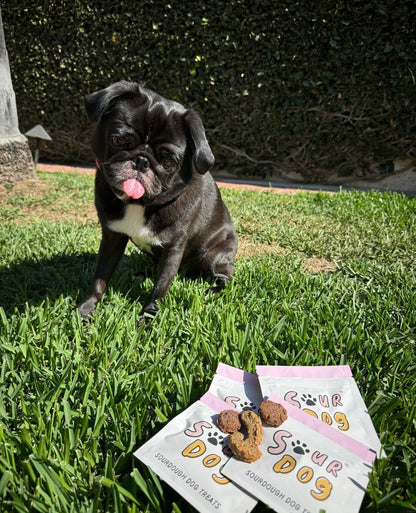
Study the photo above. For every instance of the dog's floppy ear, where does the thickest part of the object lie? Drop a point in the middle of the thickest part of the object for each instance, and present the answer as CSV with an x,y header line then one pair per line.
x,y
97,103
203,158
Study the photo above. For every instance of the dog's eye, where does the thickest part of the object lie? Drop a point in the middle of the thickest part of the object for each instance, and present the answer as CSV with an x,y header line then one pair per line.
x,y
168,163
122,141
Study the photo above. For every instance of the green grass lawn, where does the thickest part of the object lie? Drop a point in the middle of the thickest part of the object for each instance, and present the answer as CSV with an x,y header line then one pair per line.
x,y
321,279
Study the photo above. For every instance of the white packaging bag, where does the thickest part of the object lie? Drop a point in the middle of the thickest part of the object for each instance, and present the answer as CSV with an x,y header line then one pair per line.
x,y
328,393
306,467
236,387
188,454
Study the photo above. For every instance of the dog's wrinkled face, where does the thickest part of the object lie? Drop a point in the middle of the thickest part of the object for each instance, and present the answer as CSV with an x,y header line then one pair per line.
x,y
145,144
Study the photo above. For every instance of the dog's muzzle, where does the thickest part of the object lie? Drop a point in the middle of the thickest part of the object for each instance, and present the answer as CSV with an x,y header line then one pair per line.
x,y
141,163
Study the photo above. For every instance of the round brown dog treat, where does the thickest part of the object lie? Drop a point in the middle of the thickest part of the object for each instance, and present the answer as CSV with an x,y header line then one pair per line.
x,y
229,421
243,448
272,413
252,423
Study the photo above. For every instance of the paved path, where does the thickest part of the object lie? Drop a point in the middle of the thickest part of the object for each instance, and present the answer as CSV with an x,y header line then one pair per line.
x,y
250,185
402,181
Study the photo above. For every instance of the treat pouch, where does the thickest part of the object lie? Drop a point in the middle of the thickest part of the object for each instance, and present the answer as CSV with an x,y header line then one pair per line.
x,y
306,467
188,454
237,387
328,393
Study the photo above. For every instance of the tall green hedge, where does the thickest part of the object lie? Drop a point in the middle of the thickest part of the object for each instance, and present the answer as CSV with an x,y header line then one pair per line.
x,y
315,88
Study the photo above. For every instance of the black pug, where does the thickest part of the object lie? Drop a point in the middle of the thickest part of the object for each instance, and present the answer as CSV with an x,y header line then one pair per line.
x,y
153,186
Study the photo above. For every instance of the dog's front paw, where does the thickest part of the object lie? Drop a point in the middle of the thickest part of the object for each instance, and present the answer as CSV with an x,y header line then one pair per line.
x,y
213,291
220,285
86,310
147,313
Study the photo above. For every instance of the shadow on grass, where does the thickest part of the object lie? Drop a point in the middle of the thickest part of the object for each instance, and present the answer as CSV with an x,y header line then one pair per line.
x,y
68,275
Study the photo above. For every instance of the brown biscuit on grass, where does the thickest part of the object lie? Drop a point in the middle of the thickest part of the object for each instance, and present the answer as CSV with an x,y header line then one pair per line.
x,y
229,421
272,413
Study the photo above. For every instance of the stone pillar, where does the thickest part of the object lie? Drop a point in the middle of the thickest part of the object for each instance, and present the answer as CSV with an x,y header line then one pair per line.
x,y
16,161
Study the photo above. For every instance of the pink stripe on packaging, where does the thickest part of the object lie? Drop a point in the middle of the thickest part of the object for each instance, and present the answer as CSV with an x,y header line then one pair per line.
x,y
215,403
320,371
357,448
227,371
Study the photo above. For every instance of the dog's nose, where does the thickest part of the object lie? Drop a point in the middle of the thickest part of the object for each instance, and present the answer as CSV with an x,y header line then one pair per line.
x,y
142,163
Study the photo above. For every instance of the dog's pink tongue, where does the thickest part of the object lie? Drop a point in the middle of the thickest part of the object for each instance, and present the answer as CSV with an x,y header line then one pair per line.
x,y
133,188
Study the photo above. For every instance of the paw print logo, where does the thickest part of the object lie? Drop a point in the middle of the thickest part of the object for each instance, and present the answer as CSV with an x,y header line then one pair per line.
x,y
299,447
215,438
247,406
308,399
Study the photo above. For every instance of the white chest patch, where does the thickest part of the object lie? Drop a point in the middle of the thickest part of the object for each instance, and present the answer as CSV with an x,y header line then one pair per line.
x,y
133,225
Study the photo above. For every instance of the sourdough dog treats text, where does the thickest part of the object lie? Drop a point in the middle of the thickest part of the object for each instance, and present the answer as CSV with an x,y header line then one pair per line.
x,y
188,453
306,466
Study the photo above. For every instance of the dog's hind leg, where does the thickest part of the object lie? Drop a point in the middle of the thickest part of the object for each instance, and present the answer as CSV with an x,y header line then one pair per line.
x,y
219,262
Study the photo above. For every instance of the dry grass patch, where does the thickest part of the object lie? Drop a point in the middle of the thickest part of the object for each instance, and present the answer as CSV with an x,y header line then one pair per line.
x,y
318,265
247,248
37,212
27,188
30,201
